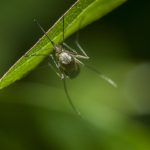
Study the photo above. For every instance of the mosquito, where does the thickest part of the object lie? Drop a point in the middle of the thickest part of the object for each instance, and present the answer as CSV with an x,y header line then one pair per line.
x,y
66,62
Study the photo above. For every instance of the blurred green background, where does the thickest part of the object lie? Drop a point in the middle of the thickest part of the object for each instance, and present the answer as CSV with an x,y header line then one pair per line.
x,y
34,112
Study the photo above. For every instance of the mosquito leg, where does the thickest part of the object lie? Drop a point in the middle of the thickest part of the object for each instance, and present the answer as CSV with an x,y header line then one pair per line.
x,y
60,75
52,67
58,71
81,57
104,77
53,59
81,49
70,48
79,62
77,41
69,98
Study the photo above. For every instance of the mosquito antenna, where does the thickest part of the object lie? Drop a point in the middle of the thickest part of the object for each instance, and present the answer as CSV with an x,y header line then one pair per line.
x,y
69,98
38,24
63,19
77,33
79,27
110,81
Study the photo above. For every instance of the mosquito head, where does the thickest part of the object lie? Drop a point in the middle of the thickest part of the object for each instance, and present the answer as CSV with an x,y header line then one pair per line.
x,y
58,49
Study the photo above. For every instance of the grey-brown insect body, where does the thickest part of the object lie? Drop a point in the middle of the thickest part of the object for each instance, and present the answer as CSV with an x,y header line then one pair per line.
x,y
67,62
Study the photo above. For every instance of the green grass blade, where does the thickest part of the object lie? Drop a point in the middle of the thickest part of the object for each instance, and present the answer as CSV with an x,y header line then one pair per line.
x,y
85,10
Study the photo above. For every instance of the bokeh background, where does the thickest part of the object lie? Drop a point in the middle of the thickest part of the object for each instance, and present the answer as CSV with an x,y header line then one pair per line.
x,y
34,112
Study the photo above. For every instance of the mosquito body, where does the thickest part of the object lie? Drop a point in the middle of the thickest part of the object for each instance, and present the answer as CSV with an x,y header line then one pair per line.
x,y
67,62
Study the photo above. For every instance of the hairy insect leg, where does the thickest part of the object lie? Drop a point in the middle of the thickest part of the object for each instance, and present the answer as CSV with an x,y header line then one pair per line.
x,y
53,59
81,57
81,49
110,81
69,98
52,67
70,48
58,71
77,41
76,54
79,62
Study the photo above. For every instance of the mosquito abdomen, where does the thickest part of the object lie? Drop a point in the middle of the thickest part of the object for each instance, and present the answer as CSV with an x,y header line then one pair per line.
x,y
71,70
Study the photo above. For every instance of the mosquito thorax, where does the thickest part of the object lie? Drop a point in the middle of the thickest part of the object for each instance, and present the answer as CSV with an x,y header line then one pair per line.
x,y
65,58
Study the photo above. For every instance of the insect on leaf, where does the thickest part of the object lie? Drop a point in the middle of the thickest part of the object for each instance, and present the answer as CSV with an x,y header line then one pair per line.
x,y
85,10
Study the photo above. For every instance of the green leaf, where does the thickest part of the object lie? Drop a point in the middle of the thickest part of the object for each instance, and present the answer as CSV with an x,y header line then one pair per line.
x,y
85,10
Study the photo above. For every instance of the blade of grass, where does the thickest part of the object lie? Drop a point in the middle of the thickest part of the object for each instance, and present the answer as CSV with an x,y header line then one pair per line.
x,y
85,10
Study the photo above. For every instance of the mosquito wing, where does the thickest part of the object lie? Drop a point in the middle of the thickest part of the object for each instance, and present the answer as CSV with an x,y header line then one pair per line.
x,y
104,77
